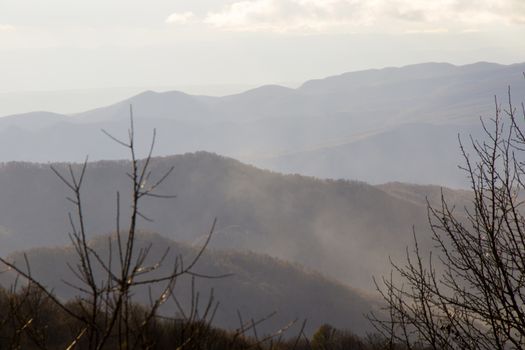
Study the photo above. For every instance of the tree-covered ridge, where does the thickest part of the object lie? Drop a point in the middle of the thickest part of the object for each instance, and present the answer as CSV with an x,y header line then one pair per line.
x,y
257,285
330,226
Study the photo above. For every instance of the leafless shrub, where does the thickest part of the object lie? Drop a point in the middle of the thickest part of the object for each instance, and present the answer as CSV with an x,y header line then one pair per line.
x,y
470,292
104,313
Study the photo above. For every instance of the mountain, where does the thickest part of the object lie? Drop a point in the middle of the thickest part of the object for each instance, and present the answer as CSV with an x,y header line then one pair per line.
x,y
258,285
167,105
409,153
340,120
345,229
429,194
31,121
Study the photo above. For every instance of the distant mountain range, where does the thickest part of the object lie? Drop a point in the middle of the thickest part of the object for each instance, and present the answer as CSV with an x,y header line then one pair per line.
x,y
392,124
346,230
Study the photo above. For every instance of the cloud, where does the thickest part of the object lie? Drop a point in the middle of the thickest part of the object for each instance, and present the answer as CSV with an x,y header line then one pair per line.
x,y
352,15
287,15
7,28
180,18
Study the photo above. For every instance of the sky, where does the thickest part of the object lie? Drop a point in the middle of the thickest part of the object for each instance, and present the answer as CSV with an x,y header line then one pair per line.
x,y
204,45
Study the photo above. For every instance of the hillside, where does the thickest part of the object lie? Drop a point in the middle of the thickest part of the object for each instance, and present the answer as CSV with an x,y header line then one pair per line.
x,y
429,194
321,128
347,230
409,153
259,285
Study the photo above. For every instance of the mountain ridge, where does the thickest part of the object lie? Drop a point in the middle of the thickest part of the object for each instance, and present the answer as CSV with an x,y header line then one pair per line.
x,y
259,285
332,226
366,106
273,87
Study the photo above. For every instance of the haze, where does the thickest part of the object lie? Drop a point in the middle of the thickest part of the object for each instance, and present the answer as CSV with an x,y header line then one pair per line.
x,y
293,146
64,45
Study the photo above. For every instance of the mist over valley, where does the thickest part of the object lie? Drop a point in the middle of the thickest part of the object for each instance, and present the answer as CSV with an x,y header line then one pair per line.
x,y
311,194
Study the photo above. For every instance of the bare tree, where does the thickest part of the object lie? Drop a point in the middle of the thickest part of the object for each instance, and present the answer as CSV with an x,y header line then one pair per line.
x,y
105,314
469,293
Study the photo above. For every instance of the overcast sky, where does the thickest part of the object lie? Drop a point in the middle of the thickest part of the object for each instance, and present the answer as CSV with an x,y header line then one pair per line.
x,y
79,44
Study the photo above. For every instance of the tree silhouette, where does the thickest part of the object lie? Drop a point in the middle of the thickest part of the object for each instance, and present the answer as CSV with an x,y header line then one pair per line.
x,y
469,293
104,314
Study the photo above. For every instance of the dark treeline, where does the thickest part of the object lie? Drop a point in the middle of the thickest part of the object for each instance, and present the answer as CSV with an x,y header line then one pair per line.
x,y
30,320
